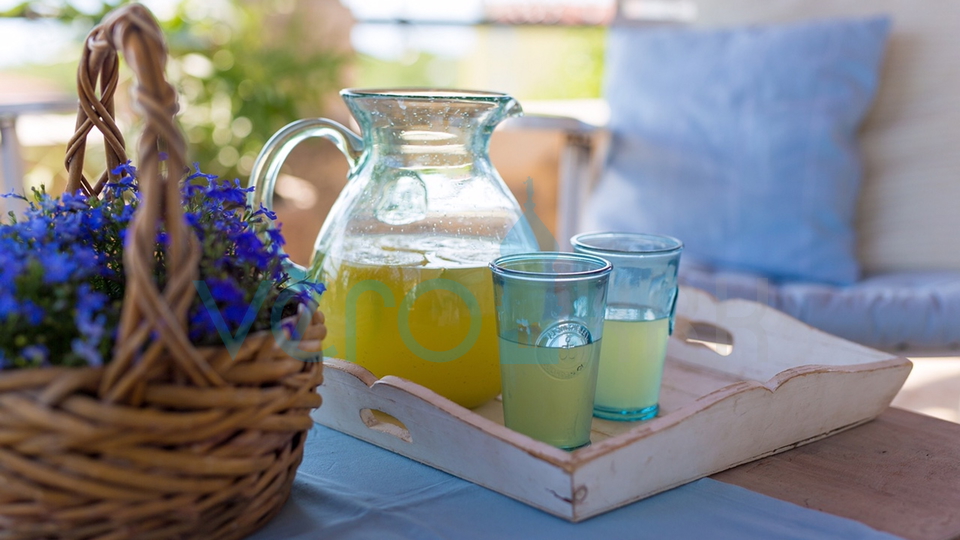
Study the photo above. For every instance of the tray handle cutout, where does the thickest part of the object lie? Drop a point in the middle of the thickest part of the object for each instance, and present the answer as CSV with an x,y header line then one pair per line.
x,y
384,423
704,334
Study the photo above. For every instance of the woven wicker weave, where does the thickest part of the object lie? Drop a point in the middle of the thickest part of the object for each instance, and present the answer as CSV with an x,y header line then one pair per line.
x,y
168,440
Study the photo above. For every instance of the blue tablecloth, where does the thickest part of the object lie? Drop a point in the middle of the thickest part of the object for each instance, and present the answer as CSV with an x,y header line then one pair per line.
x,y
349,489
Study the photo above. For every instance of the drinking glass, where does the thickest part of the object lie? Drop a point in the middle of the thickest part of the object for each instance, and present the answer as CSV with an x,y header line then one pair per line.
x,y
639,320
549,308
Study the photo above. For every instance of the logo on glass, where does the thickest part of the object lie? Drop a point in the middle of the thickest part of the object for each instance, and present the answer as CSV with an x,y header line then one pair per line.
x,y
560,349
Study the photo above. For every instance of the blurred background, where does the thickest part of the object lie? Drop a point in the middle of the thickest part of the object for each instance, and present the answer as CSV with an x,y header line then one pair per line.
x,y
246,68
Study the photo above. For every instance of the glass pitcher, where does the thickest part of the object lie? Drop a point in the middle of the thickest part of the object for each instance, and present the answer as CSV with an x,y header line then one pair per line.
x,y
405,248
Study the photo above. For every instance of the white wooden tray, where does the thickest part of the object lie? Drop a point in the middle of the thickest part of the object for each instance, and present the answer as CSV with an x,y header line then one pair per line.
x,y
784,384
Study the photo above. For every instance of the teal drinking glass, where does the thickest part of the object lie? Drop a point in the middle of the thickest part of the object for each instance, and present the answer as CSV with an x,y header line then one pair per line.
x,y
550,311
639,320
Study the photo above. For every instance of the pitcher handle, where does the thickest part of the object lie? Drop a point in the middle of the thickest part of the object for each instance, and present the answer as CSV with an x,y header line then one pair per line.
x,y
263,177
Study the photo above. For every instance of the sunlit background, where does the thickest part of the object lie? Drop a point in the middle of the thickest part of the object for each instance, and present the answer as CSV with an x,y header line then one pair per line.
x,y
245,68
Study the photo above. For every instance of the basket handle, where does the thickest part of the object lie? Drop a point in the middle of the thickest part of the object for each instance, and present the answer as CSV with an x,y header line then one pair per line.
x,y
152,339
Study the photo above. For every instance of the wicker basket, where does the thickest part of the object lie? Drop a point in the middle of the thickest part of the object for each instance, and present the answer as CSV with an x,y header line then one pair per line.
x,y
168,440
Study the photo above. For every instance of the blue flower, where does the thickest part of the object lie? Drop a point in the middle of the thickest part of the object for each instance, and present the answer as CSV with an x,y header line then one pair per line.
x,y
88,263
87,351
276,237
126,213
32,312
8,305
89,301
35,228
225,291
10,268
309,292
265,212
201,324
48,205
224,191
318,288
210,178
91,328
57,267
93,218
234,314
73,201
229,300
36,354
250,250
126,171
126,183
62,261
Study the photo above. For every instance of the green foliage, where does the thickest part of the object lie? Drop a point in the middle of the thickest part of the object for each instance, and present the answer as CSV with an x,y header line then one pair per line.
x,y
242,83
244,69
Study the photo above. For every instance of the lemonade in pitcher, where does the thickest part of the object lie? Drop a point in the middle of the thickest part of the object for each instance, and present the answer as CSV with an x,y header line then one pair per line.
x,y
427,316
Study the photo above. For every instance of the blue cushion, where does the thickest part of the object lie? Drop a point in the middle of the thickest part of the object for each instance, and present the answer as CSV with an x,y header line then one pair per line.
x,y
907,311
742,142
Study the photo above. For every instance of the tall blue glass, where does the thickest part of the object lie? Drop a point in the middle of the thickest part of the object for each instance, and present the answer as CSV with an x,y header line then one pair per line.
x,y
639,320
550,311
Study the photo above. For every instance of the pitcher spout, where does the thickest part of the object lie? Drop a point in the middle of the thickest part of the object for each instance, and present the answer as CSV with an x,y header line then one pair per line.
x,y
428,122
511,108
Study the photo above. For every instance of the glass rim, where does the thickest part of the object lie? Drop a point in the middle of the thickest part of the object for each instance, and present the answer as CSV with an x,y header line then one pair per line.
x,y
580,241
426,94
603,266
